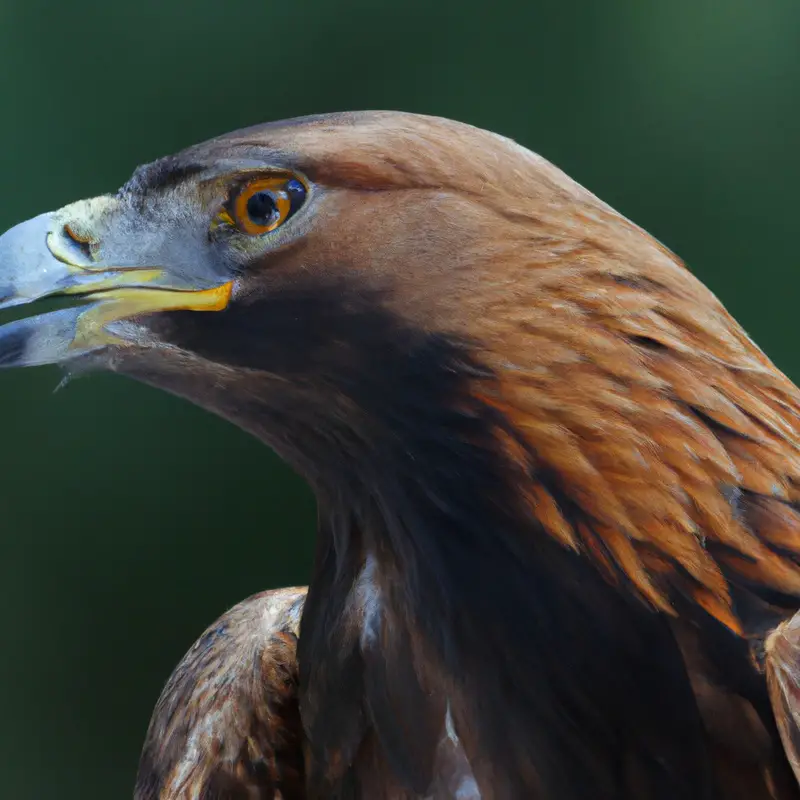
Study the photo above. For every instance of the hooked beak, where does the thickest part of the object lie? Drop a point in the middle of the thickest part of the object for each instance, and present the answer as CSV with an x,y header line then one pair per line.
x,y
56,255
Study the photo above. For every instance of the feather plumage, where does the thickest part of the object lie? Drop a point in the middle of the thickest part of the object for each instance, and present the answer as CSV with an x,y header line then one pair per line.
x,y
559,486
227,724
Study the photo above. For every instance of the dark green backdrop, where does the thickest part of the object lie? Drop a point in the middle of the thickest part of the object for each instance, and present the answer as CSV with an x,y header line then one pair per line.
x,y
131,519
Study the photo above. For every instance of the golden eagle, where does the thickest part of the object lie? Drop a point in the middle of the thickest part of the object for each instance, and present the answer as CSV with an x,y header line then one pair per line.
x,y
558,553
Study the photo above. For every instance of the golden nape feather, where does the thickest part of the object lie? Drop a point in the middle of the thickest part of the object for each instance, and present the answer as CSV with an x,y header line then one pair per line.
x,y
558,485
227,724
670,431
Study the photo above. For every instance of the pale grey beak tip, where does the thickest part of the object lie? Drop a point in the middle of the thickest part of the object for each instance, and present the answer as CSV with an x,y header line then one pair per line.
x,y
42,339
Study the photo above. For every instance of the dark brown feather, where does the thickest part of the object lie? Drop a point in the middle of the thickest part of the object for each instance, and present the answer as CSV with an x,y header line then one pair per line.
x,y
227,724
783,677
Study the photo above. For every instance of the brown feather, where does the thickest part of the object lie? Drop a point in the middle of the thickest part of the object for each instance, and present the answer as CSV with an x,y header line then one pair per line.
x,y
783,679
653,409
227,723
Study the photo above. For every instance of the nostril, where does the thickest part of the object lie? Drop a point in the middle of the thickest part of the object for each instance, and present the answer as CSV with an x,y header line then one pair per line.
x,y
80,241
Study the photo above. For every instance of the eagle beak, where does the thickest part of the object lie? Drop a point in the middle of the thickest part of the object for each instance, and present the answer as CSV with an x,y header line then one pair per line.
x,y
53,255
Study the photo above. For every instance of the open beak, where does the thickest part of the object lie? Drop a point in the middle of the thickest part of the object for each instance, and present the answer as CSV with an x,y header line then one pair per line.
x,y
56,255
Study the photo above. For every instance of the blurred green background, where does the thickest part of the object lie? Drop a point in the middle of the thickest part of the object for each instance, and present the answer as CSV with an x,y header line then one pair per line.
x,y
130,519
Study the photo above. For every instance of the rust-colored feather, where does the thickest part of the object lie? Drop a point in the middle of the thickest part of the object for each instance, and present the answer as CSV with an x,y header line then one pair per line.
x,y
655,415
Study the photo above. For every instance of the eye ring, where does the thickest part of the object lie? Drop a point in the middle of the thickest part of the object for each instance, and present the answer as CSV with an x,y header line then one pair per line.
x,y
264,204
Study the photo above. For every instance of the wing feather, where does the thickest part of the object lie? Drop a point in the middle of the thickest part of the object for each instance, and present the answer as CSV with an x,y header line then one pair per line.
x,y
227,723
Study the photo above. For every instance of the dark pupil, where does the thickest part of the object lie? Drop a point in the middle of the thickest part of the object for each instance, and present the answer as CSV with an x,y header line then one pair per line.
x,y
261,208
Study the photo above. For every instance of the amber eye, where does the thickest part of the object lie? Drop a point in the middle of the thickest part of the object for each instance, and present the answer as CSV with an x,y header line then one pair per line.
x,y
265,204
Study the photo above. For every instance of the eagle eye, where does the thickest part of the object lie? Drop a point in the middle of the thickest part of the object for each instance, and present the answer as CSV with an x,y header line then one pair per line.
x,y
264,204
